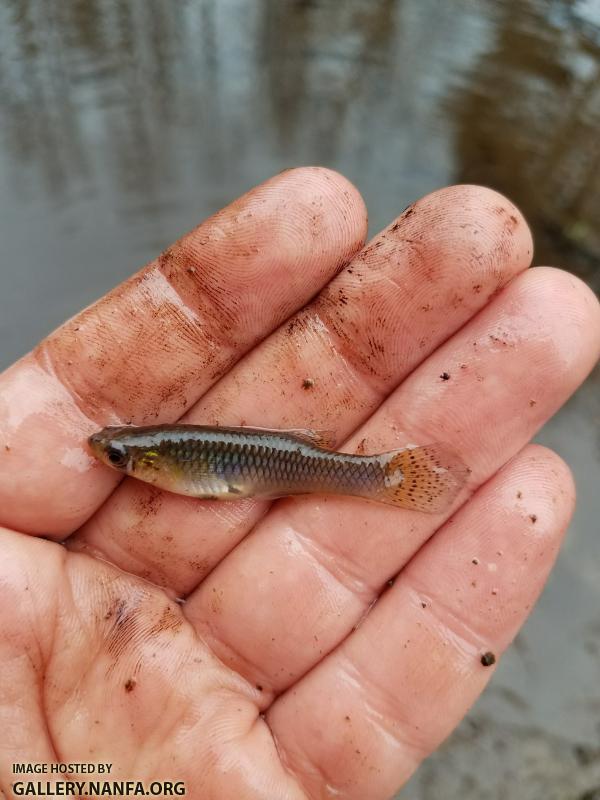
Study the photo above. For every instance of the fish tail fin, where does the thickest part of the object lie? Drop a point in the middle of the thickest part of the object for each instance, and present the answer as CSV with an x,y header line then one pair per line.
x,y
424,478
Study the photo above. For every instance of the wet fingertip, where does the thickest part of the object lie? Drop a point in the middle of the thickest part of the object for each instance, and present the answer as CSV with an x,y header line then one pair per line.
x,y
326,182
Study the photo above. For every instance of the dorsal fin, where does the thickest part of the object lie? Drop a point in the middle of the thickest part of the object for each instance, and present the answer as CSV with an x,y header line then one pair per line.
x,y
324,439
319,438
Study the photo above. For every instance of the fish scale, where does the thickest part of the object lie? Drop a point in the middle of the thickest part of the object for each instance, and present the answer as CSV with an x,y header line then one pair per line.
x,y
229,463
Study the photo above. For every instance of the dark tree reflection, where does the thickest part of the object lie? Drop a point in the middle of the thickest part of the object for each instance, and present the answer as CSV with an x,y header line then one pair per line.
x,y
527,121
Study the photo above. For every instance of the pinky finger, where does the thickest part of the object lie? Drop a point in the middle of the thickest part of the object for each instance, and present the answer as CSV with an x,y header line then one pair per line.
x,y
362,720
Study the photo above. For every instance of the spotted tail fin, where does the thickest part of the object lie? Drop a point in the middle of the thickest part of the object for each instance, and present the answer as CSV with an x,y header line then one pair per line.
x,y
424,478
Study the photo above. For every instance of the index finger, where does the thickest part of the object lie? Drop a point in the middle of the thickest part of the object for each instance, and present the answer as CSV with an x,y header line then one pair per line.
x,y
151,347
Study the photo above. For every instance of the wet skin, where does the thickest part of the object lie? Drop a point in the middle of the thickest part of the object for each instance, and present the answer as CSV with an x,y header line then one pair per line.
x,y
262,684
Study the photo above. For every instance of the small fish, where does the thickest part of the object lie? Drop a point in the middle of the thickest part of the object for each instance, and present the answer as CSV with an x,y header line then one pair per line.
x,y
231,463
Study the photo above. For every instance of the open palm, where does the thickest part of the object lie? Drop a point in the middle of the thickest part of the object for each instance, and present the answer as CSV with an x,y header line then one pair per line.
x,y
326,645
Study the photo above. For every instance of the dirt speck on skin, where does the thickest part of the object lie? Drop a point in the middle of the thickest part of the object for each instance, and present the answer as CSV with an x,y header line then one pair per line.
x,y
361,447
376,346
7,448
475,561
148,501
200,565
368,250
445,376
533,518
296,325
476,288
308,383
130,684
259,687
169,620
498,340
519,495
488,659
501,212
216,601
408,212
532,403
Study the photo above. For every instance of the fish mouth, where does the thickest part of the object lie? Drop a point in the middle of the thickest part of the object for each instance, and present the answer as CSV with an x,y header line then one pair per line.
x,y
95,441
100,438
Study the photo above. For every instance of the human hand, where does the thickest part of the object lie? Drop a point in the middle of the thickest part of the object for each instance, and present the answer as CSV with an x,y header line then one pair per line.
x,y
293,669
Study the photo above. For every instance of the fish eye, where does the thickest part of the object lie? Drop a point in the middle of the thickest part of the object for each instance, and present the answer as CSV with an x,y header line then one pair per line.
x,y
116,456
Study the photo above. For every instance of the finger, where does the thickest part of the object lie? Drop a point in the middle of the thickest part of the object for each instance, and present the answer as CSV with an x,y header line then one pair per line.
x,y
155,344
362,724
321,562
414,285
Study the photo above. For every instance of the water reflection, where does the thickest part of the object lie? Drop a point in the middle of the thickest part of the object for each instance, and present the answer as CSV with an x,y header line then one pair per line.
x,y
322,60
138,92
527,121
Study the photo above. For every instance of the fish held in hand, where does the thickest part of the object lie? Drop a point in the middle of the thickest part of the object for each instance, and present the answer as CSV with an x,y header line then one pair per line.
x,y
231,463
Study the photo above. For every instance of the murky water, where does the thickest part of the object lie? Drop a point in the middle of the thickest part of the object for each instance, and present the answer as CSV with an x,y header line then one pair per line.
x,y
124,122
